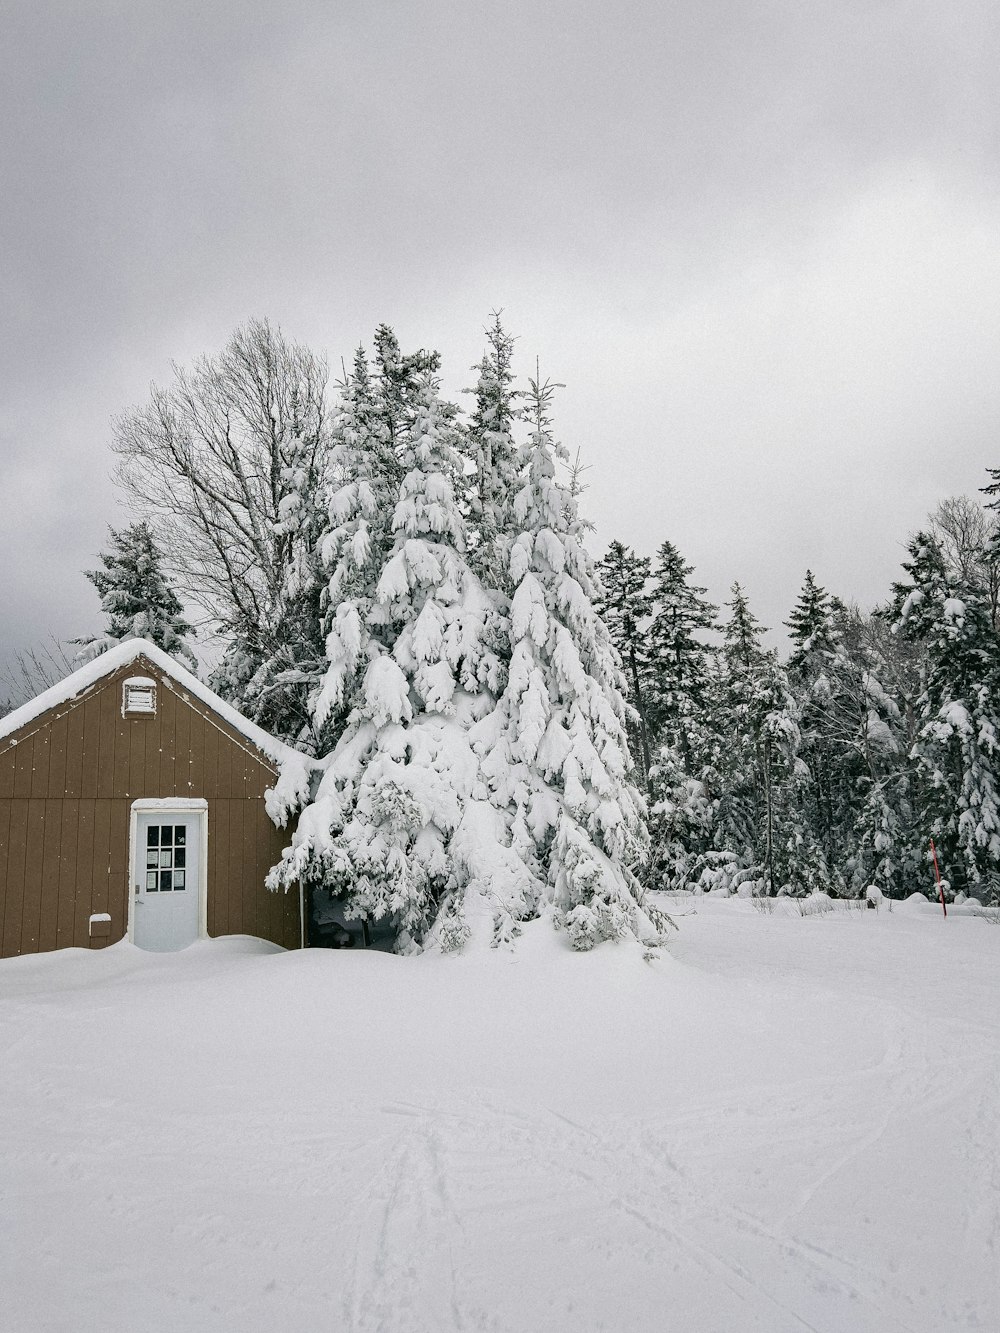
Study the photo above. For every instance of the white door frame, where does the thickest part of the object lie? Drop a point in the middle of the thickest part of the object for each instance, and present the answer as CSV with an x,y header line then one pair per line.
x,y
186,805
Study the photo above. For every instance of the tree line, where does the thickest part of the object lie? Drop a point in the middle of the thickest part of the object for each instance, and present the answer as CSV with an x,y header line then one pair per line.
x,y
405,593
834,769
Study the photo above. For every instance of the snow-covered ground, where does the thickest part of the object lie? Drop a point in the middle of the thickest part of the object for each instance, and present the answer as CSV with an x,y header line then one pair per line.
x,y
784,1123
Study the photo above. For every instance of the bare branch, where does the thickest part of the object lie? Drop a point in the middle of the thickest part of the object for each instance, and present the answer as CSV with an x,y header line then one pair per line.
x,y
204,462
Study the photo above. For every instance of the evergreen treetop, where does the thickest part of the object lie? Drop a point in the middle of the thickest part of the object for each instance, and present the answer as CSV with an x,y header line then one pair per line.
x,y
496,458
136,598
811,624
625,605
742,633
681,612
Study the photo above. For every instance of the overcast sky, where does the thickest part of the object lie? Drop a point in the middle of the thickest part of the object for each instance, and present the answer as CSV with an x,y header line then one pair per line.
x,y
759,243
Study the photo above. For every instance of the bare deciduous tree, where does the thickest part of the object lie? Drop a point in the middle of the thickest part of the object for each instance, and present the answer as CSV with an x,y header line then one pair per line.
x,y
207,463
33,670
967,534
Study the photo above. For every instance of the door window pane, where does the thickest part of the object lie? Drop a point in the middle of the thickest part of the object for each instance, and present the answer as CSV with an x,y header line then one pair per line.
x,y
166,858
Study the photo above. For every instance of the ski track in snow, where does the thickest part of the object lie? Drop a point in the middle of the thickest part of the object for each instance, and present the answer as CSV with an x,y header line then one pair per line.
x,y
802,1136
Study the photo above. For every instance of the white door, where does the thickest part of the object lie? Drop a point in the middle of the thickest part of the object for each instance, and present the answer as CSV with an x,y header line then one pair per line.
x,y
165,887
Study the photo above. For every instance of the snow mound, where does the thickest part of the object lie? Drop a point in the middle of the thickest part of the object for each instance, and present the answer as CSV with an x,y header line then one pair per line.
x,y
917,902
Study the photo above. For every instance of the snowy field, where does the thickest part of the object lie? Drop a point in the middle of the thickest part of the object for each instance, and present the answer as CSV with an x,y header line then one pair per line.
x,y
784,1123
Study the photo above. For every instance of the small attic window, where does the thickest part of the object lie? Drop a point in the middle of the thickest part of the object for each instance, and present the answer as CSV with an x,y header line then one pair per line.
x,y
139,697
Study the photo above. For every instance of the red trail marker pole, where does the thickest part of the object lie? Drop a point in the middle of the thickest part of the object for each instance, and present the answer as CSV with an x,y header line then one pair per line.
x,y
937,875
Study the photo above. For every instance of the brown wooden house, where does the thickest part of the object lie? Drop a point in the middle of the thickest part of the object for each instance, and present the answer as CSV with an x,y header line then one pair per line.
x,y
132,803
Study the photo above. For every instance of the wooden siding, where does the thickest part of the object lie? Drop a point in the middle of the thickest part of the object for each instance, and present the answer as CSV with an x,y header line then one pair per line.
x,y
67,783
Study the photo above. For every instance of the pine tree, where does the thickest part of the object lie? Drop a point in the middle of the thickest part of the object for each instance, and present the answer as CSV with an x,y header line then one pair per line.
x,y
992,489
554,750
821,676
811,626
360,491
852,681
624,604
365,467
676,665
755,738
387,827
496,459
680,614
871,717
989,553
483,747
397,391
957,749
136,598
682,817
742,634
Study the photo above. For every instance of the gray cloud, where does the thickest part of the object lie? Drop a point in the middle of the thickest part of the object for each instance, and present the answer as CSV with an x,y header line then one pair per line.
x,y
757,241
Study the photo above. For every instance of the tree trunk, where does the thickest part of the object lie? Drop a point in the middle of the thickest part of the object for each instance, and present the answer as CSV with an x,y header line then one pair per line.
x,y
770,851
641,710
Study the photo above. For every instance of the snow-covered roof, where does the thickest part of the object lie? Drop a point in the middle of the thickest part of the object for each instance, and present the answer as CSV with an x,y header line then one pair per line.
x,y
121,655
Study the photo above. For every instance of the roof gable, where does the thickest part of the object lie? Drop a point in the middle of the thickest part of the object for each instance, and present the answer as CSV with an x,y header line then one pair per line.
x,y
121,655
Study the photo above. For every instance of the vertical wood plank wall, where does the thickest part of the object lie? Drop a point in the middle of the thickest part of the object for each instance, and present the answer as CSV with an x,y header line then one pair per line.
x,y
67,783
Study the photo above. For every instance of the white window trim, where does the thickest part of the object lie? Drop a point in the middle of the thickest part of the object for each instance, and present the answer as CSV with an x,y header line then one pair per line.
x,y
185,805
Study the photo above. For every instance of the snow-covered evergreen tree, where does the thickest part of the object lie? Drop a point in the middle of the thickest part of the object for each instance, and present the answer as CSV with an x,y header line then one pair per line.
x,y
554,750
676,666
624,604
350,522
872,716
754,768
989,552
497,461
957,748
360,490
387,828
136,598
398,382
811,626
852,684
822,678
678,656
483,744
682,815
